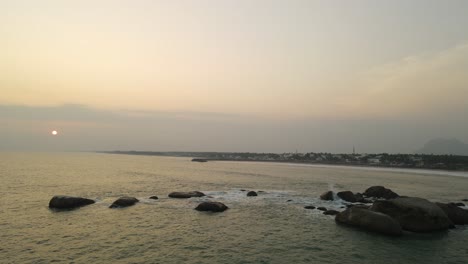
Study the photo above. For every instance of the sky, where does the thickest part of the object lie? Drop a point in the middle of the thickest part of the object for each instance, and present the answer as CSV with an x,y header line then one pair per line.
x,y
214,75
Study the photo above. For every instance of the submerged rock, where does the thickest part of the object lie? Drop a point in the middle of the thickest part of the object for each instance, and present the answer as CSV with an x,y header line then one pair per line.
x,y
212,207
347,196
414,214
252,193
457,215
327,196
154,197
309,207
124,202
68,202
331,212
322,208
369,220
380,192
185,195
199,160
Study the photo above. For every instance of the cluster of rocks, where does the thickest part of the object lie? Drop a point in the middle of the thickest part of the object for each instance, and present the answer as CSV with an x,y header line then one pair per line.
x,y
391,214
69,202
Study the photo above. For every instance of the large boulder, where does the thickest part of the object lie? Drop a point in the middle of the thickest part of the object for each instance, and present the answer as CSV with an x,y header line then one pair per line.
x,y
68,202
212,207
347,196
124,202
185,195
369,220
457,215
414,214
380,192
327,196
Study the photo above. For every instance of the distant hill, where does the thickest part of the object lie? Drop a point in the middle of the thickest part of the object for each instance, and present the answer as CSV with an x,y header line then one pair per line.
x,y
445,146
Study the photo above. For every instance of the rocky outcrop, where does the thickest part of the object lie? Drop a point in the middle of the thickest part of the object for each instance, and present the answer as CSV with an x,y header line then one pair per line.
x,y
327,196
380,192
154,197
212,207
252,193
185,195
347,196
309,207
68,202
457,215
414,214
124,202
331,212
369,220
199,160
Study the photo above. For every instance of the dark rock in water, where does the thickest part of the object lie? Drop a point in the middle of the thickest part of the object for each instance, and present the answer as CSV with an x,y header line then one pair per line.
x,y
365,206
154,197
242,190
342,206
327,196
68,202
359,197
252,193
260,191
331,212
211,206
124,202
309,207
458,204
414,214
380,192
457,215
465,200
322,208
199,160
186,195
347,196
289,201
369,220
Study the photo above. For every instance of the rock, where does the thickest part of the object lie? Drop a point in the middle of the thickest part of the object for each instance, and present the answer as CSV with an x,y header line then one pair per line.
x,y
154,197
327,196
68,202
359,197
260,191
185,195
242,190
465,200
331,212
365,206
380,192
458,204
124,202
322,208
212,207
457,215
414,214
252,193
309,207
289,201
369,220
199,160
347,196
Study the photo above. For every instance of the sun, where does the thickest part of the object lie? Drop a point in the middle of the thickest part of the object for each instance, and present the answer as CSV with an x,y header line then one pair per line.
x,y
54,132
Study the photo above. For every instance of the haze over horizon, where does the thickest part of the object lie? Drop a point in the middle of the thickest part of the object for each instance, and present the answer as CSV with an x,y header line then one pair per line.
x,y
257,76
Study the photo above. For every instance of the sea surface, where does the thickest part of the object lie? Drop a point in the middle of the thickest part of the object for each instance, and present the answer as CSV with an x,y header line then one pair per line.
x,y
270,228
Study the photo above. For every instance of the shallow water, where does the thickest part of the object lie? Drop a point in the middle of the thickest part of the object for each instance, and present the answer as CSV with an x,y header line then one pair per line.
x,y
262,229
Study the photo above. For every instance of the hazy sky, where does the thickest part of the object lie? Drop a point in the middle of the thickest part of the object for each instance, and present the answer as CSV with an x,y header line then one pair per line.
x,y
386,76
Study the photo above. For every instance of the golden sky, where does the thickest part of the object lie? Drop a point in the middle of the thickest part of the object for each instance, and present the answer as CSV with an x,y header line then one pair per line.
x,y
284,60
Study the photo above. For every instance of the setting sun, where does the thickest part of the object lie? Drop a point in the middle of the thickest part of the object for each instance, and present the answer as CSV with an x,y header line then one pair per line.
x,y
54,132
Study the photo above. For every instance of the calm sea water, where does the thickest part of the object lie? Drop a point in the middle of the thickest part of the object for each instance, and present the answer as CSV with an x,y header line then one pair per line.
x,y
263,229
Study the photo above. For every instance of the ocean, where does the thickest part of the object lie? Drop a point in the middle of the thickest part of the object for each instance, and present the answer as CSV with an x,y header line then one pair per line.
x,y
273,227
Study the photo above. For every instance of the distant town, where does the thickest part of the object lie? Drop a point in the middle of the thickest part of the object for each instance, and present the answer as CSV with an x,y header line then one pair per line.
x,y
420,161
